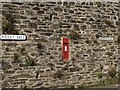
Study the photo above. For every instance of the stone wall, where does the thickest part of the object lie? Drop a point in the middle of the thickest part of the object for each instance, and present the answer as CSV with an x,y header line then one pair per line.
x,y
44,24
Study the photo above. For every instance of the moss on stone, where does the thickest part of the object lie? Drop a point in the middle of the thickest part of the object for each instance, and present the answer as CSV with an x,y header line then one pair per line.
x,y
109,22
99,4
30,61
99,75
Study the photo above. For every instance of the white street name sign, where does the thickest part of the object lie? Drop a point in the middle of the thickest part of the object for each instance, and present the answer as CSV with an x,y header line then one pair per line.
x,y
13,37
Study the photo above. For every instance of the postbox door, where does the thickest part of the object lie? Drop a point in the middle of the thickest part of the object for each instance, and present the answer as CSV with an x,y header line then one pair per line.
x,y
66,49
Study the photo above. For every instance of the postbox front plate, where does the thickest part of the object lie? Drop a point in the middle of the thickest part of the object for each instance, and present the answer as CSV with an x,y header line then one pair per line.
x,y
65,49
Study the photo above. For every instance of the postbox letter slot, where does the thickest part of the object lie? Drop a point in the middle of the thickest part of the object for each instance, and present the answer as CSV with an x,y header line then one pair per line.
x,y
65,48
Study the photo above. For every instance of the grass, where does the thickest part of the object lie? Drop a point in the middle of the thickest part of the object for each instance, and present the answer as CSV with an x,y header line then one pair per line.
x,y
104,82
82,86
99,75
110,79
101,83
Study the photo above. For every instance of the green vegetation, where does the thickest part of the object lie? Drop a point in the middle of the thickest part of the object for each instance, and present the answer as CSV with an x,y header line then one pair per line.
x,y
8,24
109,22
73,35
30,61
99,4
82,86
99,75
107,81
112,72
110,80
22,50
101,83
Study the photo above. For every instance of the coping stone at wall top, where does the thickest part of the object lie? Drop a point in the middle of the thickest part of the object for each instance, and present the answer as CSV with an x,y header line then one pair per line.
x,y
59,0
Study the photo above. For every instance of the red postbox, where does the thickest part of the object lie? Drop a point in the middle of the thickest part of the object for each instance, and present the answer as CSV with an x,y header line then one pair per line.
x,y
65,49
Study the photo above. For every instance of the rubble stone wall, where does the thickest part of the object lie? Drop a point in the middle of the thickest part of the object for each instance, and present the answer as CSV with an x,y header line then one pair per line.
x,y
45,24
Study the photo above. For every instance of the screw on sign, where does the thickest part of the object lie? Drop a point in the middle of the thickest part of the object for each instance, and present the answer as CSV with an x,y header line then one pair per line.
x,y
65,49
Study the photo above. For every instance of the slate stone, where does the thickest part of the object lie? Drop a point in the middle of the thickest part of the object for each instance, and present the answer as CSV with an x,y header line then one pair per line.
x,y
5,84
83,27
118,23
48,34
65,3
91,19
36,8
71,3
42,5
71,11
83,3
6,65
58,9
76,26
40,12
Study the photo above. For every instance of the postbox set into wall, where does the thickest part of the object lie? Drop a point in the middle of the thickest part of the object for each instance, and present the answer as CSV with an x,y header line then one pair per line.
x,y
65,49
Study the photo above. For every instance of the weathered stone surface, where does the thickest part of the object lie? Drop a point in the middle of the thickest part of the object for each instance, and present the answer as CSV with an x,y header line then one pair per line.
x,y
5,85
58,9
40,12
47,23
118,23
6,65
